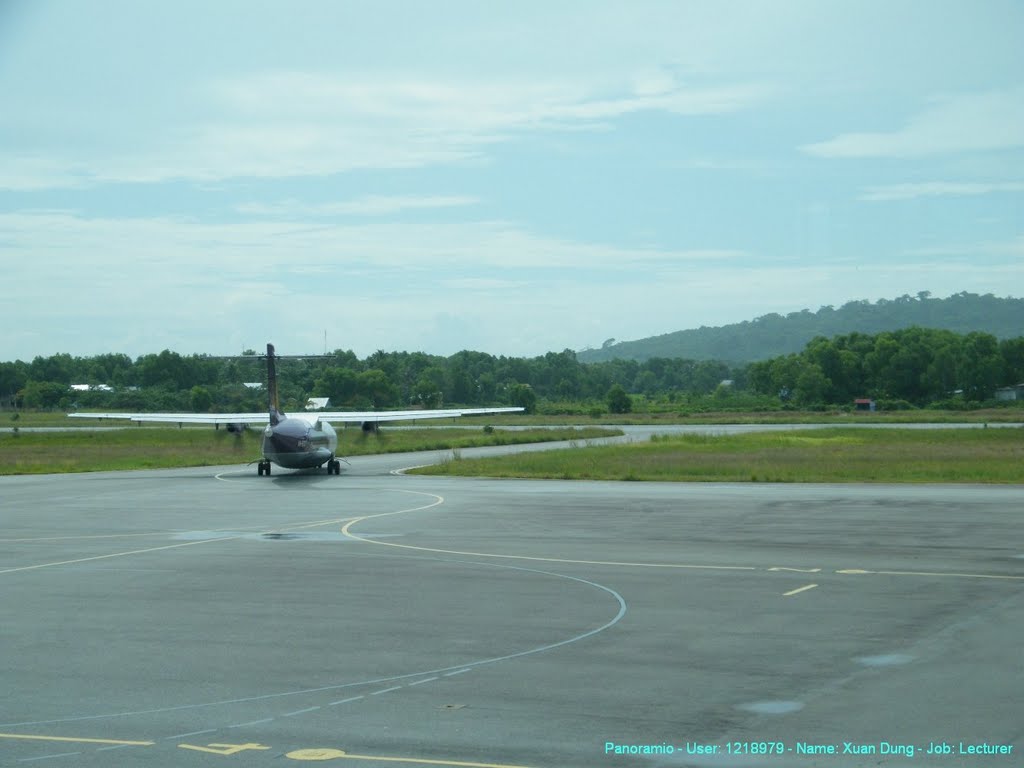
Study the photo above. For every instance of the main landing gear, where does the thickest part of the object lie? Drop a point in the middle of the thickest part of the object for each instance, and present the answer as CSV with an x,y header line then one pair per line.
x,y
333,467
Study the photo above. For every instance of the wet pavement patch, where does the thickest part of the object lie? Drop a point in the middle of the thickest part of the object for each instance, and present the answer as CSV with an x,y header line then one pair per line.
x,y
885,660
772,707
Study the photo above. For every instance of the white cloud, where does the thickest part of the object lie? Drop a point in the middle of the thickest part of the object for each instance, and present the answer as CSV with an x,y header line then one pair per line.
x,y
986,121
983,249
287,124
890,192
484,284
24,173
368,205
301,123
181,248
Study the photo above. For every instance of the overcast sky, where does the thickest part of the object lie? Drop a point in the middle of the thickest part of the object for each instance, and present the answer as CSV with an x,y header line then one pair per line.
x,y
513,177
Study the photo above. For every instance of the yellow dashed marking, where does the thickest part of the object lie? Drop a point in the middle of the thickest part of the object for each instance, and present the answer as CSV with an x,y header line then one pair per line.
x,y
799,590
859,572
315,754
796,570
33,737
223,749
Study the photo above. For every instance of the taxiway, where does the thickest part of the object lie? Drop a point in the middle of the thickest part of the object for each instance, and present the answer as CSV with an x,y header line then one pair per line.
x,y
211,617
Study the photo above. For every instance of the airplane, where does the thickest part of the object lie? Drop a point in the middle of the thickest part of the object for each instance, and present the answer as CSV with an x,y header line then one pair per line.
x,y
299,441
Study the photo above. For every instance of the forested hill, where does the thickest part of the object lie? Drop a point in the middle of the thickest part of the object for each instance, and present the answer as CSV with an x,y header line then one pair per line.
x,y
773,335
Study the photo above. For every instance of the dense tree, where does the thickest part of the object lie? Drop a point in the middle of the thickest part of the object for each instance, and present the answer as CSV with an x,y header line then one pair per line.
x,y
13,377
337,383
812,386
618,401
60,368
167,369
200,399
1012,352
42,394
376,387
918,365
111,369
522,395
980,366
430,387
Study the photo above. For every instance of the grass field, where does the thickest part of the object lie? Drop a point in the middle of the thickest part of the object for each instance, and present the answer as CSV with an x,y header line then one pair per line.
x,y
84,450
922,416
833,455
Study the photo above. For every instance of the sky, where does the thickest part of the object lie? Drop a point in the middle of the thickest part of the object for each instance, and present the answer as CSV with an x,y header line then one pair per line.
x,y
514,178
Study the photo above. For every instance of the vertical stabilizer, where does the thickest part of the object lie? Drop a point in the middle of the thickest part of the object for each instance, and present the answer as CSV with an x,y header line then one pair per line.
x,y
274,407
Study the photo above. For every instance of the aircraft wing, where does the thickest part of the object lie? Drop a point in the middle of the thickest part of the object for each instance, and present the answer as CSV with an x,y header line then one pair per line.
x,y
182,418
353,417
361,417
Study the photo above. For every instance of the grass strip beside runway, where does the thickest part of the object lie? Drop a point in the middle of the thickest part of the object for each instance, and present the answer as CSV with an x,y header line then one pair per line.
x,y
574,414
833,455
84,450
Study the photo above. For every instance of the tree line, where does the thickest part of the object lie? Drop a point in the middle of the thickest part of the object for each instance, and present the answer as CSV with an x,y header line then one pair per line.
x,y
913,366
170,381
916,366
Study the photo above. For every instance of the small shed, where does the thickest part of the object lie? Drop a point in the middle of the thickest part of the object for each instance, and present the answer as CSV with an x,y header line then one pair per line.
x,y
1010,393
864,404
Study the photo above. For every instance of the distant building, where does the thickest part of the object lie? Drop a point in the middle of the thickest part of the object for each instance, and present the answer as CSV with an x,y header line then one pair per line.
x,y
317,403
92,388
1010,393
253,384
864,404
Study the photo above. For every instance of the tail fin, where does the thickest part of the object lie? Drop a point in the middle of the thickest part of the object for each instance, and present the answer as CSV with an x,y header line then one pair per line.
x,y
274,407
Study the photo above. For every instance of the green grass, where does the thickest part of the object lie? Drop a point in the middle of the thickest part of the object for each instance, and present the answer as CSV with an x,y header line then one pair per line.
x,y
84,450
833,455
677,416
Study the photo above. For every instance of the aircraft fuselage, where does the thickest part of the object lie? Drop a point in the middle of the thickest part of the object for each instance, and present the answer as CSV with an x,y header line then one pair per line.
x,y
299,444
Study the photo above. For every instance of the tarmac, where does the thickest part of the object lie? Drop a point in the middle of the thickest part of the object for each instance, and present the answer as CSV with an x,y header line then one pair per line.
x,y
209,617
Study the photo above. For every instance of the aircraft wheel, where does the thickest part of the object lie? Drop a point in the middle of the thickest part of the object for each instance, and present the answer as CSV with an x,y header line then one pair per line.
x,y
334,466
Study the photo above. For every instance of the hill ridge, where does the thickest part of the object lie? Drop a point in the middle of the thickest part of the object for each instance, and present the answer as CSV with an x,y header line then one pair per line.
x,y
773,334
